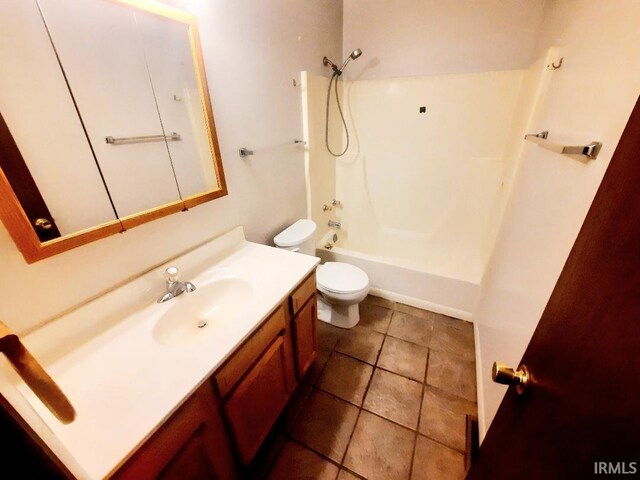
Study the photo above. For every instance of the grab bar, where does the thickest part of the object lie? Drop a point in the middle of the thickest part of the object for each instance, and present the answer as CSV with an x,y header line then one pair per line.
x,y
35,376
590,151
145,138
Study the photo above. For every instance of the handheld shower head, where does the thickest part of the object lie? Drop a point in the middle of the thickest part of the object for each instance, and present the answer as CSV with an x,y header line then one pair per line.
x,y
352,56
338,71
334,78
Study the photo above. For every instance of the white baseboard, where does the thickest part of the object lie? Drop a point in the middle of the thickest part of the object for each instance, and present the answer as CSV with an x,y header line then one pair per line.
x,y
482,421
425,305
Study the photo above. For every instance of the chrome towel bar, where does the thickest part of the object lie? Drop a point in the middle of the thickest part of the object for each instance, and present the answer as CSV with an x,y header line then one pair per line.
x,y
590,151
145,138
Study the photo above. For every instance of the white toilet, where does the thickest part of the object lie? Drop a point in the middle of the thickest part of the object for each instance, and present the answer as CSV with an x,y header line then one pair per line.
x,y
342,286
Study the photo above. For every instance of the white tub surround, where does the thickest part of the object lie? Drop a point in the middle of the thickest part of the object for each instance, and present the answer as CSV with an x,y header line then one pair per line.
x,y
422,186
124,383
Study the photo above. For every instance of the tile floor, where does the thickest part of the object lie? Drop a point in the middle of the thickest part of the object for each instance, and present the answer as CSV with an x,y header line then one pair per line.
x,y
387,399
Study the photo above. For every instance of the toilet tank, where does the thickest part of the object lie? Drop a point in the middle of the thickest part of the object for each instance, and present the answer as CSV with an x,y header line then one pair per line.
x,y
299,237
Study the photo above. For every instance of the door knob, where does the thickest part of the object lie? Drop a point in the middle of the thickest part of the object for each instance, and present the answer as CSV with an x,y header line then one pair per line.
x,y
43,223
500,373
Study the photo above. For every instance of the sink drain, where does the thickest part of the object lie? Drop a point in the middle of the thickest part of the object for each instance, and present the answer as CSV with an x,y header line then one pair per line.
x,y
202,323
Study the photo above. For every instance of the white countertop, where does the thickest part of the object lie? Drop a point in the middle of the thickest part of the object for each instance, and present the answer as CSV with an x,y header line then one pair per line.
x,y
122,383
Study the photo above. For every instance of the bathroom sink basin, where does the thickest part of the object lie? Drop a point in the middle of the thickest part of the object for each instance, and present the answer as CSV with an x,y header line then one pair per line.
x,y
195,315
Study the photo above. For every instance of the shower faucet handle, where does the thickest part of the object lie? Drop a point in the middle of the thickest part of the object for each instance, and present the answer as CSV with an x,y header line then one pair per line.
x,y
336,203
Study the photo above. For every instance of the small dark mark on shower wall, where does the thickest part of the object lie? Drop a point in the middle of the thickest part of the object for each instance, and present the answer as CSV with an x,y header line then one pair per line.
x,y
423,109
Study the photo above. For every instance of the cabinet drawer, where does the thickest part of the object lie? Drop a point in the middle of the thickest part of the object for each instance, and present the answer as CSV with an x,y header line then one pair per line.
x,y
256,403
301,294
248,353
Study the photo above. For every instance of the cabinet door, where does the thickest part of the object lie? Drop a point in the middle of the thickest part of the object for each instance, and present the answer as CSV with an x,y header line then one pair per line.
x,y
304,332
258,400
192,462
192,444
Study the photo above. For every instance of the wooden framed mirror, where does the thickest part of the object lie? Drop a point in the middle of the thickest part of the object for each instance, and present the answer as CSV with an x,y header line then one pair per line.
x,y
105,120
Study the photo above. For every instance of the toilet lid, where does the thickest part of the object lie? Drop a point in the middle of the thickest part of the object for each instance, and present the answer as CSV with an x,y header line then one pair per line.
x,y
295,234
341,277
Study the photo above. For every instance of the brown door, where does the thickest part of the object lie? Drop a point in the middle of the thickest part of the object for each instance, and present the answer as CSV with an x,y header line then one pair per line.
x,y
580,415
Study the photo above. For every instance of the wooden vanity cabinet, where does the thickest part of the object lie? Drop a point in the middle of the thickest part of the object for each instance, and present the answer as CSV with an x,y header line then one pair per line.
x,y
304,333
192,444
256,403
303,307
220,429
260,394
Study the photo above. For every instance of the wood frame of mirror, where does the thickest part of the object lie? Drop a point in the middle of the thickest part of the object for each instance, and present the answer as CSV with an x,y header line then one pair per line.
x,y
18,224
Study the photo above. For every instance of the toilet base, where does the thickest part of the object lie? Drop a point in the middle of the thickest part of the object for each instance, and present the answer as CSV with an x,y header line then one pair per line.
x,y
343,316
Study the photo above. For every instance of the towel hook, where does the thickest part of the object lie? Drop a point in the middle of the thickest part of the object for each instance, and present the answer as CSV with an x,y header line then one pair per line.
x,y
553,66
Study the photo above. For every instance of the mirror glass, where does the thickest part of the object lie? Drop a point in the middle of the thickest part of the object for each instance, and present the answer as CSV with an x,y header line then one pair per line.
x,y
107,105
42,119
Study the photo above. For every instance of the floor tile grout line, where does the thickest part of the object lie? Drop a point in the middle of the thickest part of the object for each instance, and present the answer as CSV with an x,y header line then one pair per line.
x,y
291,422
325,457
272,463
440,442
399,374
412,430
355,424
445,393
378,366
320,454
367,410
409,341
417,432
318,387
396,309
364,396
355,358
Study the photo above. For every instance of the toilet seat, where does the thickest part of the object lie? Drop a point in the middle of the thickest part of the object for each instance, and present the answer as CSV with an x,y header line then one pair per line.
x,y
341,278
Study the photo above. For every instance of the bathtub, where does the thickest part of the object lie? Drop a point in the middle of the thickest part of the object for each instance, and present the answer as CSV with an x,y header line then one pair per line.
x,y
398,278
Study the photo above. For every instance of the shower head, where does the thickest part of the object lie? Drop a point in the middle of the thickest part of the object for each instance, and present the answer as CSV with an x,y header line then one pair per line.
x,y
338,71
355,54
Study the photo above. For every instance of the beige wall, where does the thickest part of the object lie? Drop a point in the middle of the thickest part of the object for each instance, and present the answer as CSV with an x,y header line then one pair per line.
x,y
589,98
252,52
427,37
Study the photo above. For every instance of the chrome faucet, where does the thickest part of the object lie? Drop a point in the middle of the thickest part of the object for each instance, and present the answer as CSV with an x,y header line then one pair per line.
x,y
174,287
334,224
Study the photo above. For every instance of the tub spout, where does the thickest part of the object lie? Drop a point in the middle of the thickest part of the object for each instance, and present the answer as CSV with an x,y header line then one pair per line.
x,y
333,224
